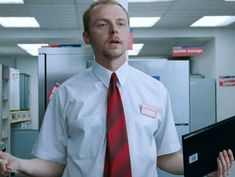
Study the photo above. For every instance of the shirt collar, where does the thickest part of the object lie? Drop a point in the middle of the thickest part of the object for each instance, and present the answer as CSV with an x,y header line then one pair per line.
x,y
104,74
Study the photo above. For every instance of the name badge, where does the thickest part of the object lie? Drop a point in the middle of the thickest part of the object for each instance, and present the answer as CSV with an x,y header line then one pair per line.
x,y
148,110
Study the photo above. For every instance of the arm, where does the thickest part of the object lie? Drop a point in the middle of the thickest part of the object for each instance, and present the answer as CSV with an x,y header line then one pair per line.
x,y
173,163
33,167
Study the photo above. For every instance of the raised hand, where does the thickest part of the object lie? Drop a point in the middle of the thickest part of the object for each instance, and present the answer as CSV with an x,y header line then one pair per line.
x,y
224,164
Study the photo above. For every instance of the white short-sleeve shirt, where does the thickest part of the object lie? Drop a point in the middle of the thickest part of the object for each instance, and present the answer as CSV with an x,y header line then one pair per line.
x,y
73,132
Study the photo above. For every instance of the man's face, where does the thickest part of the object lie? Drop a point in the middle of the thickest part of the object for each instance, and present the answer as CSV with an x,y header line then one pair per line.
x,y
109,31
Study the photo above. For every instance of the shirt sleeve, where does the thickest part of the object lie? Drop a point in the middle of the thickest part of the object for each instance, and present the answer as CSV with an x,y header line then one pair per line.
x,y
167,138
52,140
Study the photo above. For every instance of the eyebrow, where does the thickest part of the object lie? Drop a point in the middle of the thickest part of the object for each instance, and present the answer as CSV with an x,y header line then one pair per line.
x,y
106,19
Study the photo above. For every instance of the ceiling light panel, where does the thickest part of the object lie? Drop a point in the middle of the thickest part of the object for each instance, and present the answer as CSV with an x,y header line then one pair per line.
x,y
140,1
11,2
32,49
19,22
214,21
138,22
136,48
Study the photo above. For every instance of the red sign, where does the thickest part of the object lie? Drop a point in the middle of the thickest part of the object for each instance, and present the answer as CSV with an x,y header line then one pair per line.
x,y
227,81
52,90
187,51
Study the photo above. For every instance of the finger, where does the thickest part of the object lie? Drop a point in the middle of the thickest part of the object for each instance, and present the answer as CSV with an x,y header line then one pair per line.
x,y
3,164
223,163
227,160
219,167
230,154
1,154
3,171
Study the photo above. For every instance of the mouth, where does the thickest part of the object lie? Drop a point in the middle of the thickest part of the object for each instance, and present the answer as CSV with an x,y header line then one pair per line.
x,y
115,41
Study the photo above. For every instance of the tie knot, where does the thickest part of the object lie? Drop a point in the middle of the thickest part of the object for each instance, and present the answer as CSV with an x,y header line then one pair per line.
x,y
114,78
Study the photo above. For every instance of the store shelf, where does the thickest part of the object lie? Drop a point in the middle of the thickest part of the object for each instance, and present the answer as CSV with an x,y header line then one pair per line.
x,y
4,107
15,121
18,111
4,137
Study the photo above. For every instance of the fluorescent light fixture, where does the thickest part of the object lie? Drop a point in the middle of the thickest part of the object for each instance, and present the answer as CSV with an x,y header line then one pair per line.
x,y
229,0
137,22
136,48
11,2
214,21
32,49
137,1
19,22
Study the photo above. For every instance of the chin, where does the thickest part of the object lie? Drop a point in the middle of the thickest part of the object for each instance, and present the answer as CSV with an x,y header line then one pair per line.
x,y
113,54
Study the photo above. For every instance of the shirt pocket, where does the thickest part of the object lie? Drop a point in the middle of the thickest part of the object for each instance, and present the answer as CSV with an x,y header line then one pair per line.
x,y
143,129
87,136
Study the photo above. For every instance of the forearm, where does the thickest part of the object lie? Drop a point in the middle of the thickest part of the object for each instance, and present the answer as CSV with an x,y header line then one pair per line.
x,y
40,168
172,163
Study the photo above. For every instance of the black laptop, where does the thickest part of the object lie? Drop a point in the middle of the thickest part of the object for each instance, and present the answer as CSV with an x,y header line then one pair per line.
x,y
201,147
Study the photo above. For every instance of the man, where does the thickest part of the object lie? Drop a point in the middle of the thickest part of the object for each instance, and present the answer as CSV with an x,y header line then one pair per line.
x,y
72,141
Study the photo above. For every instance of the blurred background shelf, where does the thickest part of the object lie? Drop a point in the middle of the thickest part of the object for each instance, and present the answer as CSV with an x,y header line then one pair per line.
x,y
5,134
15,121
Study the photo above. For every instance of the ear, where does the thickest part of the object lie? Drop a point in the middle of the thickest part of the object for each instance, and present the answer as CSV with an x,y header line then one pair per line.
x,y
86,38
130,47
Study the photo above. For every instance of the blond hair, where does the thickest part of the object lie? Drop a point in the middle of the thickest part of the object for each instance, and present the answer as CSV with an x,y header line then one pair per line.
x,y
87,13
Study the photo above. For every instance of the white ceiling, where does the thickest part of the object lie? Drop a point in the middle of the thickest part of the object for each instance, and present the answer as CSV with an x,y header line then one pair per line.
x,y
61,22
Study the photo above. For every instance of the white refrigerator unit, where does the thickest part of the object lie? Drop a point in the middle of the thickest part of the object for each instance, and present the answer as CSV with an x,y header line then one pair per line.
x,y
14,89
202,102
55,65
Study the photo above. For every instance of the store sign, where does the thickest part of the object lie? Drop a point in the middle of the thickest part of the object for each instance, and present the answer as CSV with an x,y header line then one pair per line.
x,y
52,90
227,81
187,51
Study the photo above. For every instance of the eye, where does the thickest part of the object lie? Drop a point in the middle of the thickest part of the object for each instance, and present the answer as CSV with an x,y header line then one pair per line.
x,y
101,25
121,23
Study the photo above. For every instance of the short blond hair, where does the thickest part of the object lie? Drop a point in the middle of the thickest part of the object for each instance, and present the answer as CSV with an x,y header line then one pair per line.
x,y
87,13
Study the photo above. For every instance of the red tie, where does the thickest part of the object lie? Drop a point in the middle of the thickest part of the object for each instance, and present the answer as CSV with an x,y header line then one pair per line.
x,y
117,159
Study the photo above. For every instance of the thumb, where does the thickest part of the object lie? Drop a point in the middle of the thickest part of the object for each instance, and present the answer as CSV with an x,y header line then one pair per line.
x,y
3,164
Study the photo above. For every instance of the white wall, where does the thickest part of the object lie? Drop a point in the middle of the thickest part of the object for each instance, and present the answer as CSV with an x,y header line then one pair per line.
x,y
225,66
205,63
8,61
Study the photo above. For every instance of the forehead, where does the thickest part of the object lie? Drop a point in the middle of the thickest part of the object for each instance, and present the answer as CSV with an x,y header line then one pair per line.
x,y
108,11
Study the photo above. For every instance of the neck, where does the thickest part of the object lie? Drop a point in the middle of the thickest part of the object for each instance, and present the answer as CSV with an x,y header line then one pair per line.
x,y
111,64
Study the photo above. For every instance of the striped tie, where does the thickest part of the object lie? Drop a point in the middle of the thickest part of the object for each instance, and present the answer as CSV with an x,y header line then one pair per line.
x,y
117,159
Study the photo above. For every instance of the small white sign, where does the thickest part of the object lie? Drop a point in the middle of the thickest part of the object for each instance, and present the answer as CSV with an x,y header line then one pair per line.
x,y
193,158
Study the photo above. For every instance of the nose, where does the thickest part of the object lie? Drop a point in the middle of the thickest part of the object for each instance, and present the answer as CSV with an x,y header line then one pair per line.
x,y
113,29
